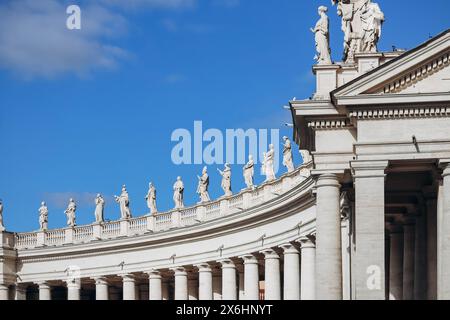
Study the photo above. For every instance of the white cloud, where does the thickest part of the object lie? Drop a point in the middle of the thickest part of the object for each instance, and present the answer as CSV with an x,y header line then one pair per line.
x,y
34,40
60,200
156,4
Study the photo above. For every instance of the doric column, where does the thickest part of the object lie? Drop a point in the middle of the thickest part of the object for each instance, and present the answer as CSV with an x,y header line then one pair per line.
x,y
308,269
272,281
20,292
4,292
165,289
129,287
229,291
396,263
443,222
192,289
155,285
204,281
73,289
328,224
420,262
251,277
431,243
101,288
291,285
408,259
181,289
217,286
369,268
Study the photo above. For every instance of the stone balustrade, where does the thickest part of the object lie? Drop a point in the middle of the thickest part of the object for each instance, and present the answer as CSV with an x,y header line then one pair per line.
x,y
161,222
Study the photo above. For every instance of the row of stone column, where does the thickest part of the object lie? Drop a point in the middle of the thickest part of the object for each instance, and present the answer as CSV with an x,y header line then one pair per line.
x,y
236,281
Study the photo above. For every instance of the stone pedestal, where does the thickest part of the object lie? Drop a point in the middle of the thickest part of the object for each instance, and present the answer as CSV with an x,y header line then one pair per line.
x,y
326,80
328,239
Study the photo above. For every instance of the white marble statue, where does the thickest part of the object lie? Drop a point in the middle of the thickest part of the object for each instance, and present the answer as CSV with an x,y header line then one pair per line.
x,y
268,165
43,217
124,202
249,171
322,37
226,180
203,184
151,198
2,226
361,24
99,208
306,156
287,155
178,193
70,213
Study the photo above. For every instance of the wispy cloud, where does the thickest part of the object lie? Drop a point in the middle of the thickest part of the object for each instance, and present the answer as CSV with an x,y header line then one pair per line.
x,y
34,40
156,4
60,200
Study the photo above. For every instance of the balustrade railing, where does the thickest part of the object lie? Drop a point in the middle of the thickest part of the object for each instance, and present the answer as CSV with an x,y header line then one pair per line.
x,y
168,220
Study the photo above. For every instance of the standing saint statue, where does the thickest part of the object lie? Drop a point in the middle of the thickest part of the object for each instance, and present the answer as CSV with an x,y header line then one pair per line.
x,y
70,213
372,19
99,208
226,180
43,217
2,226
269,163
287,155
124,202
203,184
178,192
322,37
249,171
151,198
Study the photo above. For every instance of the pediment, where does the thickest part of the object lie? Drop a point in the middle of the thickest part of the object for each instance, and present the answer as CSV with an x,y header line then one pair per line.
x,y
425,69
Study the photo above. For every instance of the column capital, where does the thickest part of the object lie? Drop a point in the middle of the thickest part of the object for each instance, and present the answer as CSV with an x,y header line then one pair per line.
x,y
270,254
43,285
307,242
101,280
444,164
73,283
369,168
154,274
327,180
249,259
289,248
128,277
203,267
227,263
179,271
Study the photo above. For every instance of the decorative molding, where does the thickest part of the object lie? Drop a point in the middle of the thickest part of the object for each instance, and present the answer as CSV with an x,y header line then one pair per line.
x,y
417,74
405,112
330,124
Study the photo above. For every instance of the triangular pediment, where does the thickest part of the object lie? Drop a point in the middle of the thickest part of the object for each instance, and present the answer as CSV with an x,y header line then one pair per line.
x,y
423,70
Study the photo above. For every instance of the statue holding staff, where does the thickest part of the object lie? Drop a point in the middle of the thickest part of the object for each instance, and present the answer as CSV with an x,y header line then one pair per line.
x,y
203,184
226,180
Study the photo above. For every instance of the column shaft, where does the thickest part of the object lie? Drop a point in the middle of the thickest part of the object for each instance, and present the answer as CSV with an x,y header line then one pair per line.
x,y
431,249
205,282
443,265
251,277
4,292
291,285
408,261
155,285
420,263
308,269
272,275
101,289
129,287
229,288
396,265
73,289
181,289
328,222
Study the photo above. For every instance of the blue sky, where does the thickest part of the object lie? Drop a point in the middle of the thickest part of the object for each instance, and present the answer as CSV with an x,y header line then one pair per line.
x,y
85,111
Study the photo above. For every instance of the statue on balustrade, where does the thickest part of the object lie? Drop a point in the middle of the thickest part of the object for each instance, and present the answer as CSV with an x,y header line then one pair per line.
x,y
70,213
226,180
99,208
268,163
287,155
2,226
249,171
203,184
361,23
151,198
124,202
43,217
178,193
322,37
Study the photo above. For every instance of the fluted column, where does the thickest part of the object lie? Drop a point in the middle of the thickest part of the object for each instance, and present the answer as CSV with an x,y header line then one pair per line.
x,y
129,287
193,289
369,268
101,288
73,289
229,291
308,268
44,291
443,214
205,282
328,222
4,292
181,289
272,275
291,285
251,277
155,285
408,260
396,264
